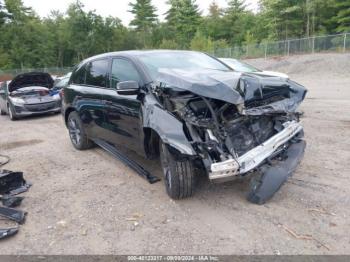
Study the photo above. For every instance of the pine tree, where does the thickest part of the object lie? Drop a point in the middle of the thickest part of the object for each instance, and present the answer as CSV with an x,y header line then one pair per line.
x,y
284,19
4,13
343,16
183,18
232,29
144,17
214,10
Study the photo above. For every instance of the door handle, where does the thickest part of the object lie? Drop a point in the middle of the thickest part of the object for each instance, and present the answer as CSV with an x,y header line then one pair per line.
x,y
108,103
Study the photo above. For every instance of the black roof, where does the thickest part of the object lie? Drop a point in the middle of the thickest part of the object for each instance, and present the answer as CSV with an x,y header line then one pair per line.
x,y
134,53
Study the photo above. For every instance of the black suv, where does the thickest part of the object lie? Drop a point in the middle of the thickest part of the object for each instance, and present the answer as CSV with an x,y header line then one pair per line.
x,y
193,111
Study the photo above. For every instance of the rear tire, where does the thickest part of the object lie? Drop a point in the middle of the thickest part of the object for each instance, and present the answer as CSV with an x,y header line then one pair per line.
x,y
77,133
2,113
178,175
11,112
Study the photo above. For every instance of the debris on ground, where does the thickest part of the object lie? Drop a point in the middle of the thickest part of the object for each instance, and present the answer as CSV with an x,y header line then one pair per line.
x,y
62,223
321,211
13,214
304,237
4,233
4,160
11,201
11,184
135,217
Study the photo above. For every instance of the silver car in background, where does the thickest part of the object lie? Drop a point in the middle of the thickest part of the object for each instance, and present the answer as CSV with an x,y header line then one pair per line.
x,y
240,66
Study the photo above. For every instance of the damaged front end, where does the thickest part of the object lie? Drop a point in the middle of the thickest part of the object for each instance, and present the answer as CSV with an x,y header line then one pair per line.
x,y
238,124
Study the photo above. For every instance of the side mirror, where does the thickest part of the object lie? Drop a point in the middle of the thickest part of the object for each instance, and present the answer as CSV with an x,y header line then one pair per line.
x,y
128,88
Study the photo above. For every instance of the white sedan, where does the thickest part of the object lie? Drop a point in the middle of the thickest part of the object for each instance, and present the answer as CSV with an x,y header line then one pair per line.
x,y
239,66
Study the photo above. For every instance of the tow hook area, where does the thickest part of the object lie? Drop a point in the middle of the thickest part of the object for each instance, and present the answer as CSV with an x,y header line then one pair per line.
x,y
273,176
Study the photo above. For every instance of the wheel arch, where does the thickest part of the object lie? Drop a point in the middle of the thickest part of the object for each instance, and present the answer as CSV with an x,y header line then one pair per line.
x,y
67,112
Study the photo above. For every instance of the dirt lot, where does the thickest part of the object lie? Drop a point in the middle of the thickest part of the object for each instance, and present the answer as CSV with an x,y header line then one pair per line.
x,y
89,203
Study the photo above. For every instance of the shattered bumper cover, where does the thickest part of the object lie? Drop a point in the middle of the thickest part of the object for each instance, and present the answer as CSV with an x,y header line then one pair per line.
x,y
252,159
275,175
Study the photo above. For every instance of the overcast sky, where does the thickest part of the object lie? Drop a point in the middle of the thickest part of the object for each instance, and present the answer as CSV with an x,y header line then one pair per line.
x,y
116,8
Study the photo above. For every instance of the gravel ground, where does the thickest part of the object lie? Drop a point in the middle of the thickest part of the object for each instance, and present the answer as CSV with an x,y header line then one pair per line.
x,y
89,203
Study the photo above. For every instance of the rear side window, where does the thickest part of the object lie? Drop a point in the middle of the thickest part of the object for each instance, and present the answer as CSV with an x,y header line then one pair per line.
x,y
123,70
97,73
79,75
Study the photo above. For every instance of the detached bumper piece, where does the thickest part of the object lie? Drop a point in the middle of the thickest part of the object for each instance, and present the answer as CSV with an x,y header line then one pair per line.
x,y
4,233
273,176
13,214
11,201
11,183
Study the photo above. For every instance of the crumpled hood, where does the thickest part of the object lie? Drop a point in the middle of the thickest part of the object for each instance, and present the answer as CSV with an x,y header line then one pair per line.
x,y
31,79
235,88
208,83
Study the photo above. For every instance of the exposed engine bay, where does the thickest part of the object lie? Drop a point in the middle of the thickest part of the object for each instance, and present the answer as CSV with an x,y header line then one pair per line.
x,y
235,134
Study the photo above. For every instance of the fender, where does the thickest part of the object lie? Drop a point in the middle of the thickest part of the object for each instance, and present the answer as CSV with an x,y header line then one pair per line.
x,y
167,126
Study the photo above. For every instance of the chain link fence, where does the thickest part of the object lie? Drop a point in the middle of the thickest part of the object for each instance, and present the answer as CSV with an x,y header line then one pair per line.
x,y
316,44
57,71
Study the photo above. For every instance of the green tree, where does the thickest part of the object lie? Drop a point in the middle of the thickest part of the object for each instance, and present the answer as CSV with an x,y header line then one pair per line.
x,y
168,44
4,14
183,19
235,21
284,19
343,15
144,17
213,23
202,43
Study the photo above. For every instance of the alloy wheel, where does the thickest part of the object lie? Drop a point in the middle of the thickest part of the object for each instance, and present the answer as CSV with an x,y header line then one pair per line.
x,y
74,131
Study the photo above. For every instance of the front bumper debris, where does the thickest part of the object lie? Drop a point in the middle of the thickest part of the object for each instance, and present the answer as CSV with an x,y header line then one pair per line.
x,y
252,159
4,233
273,176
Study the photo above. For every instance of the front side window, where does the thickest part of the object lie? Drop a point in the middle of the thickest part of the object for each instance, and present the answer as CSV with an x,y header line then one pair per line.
x,y
123,70
97,73
78,76
63,82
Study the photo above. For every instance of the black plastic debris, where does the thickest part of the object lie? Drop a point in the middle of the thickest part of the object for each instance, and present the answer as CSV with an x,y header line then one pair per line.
x,y
274,176
4,233
12,183
13,214
11,201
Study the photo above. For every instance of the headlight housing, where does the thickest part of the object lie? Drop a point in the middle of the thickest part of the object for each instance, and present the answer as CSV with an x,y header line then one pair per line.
x,y
17,100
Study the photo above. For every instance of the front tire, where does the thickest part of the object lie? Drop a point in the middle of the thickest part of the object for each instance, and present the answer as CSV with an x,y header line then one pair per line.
x,y
178,175
11,112
77,133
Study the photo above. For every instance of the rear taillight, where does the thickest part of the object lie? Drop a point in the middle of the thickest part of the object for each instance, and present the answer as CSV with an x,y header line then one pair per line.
x,y
62,93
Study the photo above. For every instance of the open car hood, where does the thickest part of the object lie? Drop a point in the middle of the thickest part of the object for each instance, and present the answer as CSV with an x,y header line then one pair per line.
x,y
31,79
237,88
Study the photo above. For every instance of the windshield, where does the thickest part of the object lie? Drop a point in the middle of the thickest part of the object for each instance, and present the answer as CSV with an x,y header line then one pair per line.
x,y
180,60
239,66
